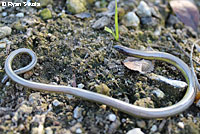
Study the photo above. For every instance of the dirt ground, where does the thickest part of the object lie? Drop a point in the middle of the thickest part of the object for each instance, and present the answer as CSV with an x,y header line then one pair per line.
x,y
72,51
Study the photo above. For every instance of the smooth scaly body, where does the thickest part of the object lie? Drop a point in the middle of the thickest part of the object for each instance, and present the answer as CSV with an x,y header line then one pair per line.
x,y
183,104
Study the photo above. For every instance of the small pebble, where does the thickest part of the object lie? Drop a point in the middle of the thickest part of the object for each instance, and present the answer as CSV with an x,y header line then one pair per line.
x,y
143,10
141,124
77,113
102,89
48,130
158,93
131,20
101,22
76,6
112,117
181,125
5,31
78,131
81,86
4,14
154,128
2,44
20,15
56,103
7,83
135,131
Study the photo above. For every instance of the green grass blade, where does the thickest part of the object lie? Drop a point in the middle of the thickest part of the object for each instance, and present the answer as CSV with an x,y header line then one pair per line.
x,y
116,22
109,30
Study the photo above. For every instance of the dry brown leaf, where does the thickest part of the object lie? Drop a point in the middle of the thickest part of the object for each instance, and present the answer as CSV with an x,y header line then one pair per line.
x,y
143,66
187,12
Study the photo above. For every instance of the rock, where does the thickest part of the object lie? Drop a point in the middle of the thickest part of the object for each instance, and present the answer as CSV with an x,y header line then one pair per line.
x,y
18,26
76,6
80,86
77,113
34,98
102,89
135,131
172,20
181,125
48,130
4,14
154,128
149,21
114,126
75,127
78,131
20,15
83,15
144,102
123,30
143,10
5,31
56,103
112,117
158,93
2,44
46,14
121,12
101,22
131,20
141,124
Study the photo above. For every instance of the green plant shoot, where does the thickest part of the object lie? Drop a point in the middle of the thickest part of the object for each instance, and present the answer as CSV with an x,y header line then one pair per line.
x,y
116,34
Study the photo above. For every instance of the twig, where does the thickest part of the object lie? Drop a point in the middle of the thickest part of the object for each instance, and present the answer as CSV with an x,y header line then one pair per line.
x,y
181,48
191,63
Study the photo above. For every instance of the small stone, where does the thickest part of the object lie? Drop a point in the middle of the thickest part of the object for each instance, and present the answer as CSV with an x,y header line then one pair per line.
x,y
81,86
158,93
7,117
123,30
149,21
75,127
7,83
46,14
4,14
181,125
77,113
78,131
19,87
143,10
76,6
21,127
18,26
83,15
34,98
131,20
36,130
154,128
28,74
144,102
2,44
114,126
135,131
141,124
56,103
112,117
5,31
20,15
48,130
102,89
101,22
